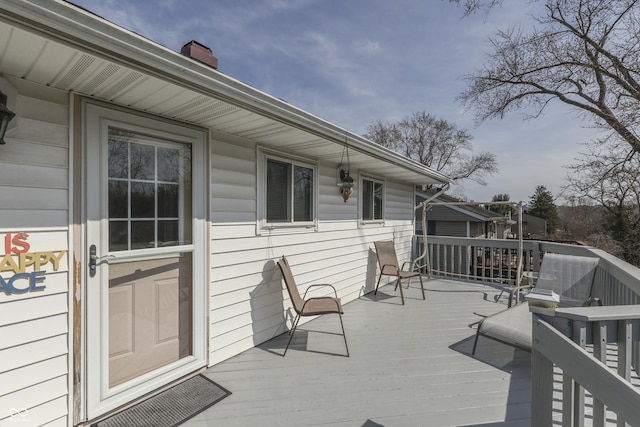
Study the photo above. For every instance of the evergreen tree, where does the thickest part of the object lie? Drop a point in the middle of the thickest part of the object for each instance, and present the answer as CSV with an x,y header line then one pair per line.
x,y
501,209
543,206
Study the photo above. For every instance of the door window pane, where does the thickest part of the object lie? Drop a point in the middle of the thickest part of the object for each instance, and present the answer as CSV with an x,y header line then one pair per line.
x,y
143,196
118,235
169,164
118,199
118,154
142,161
142,234
168,201
149,192
167,233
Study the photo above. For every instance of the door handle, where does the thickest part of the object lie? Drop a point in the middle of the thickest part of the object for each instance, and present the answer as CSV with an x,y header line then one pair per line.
x,y
93,258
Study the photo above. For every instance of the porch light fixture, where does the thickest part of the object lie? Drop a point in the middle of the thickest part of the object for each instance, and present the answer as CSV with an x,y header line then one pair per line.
x,y
6,116
345,180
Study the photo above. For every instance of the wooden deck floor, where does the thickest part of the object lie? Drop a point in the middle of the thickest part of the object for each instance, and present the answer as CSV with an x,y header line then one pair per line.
x,y
409,366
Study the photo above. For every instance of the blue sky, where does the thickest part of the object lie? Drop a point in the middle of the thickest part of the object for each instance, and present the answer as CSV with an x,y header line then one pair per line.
x,y
356,61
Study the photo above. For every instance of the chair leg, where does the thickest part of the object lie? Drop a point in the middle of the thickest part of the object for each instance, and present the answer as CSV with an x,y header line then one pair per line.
x,y
399,285
422,287
291,331
377,284
475,342
344,335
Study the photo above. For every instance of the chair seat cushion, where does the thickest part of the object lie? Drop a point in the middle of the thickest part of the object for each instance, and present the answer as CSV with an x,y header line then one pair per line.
x,y
321,305
512,326
405,274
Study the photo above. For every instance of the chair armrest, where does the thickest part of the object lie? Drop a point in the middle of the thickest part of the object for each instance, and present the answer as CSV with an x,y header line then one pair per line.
x,y
336,300
320,285
516,290
392,266
405,263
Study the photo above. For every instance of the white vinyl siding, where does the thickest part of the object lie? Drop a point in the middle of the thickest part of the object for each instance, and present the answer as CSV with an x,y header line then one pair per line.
x,y
34,187
248,303
451,228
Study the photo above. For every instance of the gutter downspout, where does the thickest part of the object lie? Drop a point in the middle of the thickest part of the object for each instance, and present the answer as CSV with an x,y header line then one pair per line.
x,y
425,251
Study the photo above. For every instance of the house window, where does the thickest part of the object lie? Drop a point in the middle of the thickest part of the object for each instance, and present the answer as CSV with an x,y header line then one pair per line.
x,y
372,200
287,191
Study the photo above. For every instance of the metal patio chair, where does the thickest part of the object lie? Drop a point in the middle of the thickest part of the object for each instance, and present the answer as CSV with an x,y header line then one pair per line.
x,y
571,277
389,266
304,306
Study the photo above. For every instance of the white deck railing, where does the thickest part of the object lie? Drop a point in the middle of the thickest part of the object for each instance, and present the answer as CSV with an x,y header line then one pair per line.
x,y
612,335
495,261
597,348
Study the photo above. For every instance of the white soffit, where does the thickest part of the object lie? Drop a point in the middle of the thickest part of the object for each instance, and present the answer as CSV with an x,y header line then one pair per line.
x,y
57,44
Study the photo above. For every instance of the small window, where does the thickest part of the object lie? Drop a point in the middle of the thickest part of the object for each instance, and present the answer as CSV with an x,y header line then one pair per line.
x,y
372,200
288,193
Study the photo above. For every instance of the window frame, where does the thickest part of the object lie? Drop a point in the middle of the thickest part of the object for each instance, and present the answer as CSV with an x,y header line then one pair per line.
x,y
263,226
374,180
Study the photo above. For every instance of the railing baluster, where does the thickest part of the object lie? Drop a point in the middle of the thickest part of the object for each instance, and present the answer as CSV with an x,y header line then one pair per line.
x,y
580,338
567,400
625,345
600,353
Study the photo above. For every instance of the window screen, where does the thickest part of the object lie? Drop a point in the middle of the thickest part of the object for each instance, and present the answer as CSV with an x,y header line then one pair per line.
x,y
372,198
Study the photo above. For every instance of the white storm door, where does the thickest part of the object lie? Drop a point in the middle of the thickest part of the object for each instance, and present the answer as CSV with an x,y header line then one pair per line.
x,y
145,262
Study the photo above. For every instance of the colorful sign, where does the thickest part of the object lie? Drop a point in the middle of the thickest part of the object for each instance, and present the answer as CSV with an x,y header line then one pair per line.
x,y
28,267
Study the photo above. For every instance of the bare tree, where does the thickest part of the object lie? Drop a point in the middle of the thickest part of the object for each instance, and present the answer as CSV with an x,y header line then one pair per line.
x,y
435,143
608,175
584,53
472,6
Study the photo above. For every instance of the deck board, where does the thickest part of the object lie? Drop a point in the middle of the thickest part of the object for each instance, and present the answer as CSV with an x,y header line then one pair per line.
x,y
409,366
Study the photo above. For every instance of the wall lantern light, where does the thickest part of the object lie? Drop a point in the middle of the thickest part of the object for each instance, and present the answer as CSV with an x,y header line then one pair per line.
x,y
345,184
345,180
6,116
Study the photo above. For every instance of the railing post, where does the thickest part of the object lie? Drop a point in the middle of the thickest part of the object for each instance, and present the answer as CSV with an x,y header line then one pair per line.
x,y
535,257
541,386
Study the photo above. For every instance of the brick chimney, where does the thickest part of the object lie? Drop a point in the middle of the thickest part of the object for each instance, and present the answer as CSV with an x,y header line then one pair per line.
x,y
200,52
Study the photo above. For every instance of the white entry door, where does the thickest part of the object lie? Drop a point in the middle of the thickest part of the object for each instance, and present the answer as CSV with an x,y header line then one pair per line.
x,y
146,295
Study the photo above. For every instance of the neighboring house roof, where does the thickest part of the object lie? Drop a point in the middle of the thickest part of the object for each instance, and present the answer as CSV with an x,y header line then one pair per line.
x,y
88,55
474,211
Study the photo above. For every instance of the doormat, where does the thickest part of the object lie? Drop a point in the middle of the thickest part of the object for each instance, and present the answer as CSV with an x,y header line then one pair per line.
x,y
172,407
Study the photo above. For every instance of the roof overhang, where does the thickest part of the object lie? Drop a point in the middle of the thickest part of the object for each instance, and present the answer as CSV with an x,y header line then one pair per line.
x,y
57,44
460,207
